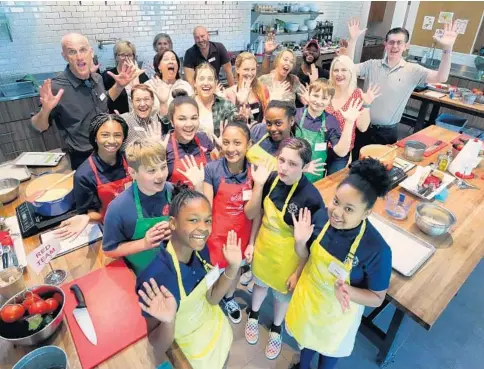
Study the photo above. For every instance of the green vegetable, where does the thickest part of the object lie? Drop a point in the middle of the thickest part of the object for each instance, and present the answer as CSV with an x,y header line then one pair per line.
x,y
34,322
47,320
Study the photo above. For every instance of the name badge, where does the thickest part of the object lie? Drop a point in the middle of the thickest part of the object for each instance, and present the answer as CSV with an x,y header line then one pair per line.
x,y
127,185
139,129
338,271
102,96
255,111
212,276
211,59
321,146
246,195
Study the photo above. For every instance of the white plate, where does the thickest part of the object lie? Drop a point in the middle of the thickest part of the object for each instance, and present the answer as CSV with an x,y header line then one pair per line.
x,y
410,184
39,159
10,170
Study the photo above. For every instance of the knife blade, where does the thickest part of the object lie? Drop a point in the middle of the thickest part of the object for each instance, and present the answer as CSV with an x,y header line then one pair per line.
x,y
434,146
82,315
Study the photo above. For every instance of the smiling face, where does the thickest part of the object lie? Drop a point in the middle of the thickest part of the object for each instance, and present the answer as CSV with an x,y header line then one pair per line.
x,y
78,53
142,104
247,70
289,166
193,224
278,124
123,55
201,37
205,83
318,101
341,75
311,54
395,45
109,138
185,123
168,66
151,179
285,64
234,144
162,44
347,210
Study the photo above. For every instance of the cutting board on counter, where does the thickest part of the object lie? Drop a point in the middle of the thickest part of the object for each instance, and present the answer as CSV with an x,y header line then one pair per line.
x,y
429,141
113,306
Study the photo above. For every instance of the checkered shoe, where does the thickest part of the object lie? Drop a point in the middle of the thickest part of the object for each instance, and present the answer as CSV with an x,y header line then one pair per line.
x,y
274,345
252,331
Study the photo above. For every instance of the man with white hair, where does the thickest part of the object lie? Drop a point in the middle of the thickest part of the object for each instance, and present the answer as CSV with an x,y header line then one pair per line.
x,y
206,51
75,96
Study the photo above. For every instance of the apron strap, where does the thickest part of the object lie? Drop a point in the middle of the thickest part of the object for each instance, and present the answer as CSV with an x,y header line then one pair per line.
x,y
288,198
323,123
94,170
351,254
262,139
137,202
125,166
174,143
202,153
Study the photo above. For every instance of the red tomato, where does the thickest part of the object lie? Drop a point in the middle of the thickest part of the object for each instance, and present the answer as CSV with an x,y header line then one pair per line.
x,y
12,313
52,304
30,299
38,307
58,297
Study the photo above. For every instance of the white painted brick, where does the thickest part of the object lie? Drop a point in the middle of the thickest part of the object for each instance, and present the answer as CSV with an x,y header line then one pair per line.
x,y
16,10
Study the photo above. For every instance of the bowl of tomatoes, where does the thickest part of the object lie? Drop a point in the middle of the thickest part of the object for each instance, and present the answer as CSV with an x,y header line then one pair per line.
x,y
32,316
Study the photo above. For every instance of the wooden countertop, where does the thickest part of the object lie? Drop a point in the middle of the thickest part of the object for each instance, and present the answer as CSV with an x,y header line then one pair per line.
x,y
457,102
427,293
78,263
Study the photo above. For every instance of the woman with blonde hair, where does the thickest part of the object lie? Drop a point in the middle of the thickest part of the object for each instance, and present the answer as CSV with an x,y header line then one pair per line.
x,y
343,77
248,94
124,54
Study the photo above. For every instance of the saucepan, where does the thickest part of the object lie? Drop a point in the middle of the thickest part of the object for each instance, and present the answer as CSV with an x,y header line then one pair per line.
x,y
57,200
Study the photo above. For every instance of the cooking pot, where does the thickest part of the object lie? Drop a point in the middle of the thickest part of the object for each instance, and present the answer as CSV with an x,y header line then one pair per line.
x,y
58,205
385,154
414,150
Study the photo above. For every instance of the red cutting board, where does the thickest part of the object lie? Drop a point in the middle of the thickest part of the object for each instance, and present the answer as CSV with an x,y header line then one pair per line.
x,y
466,137
113,306
429,141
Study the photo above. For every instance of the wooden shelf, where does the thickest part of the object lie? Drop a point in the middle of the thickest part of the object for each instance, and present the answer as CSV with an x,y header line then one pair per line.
x,y
291,13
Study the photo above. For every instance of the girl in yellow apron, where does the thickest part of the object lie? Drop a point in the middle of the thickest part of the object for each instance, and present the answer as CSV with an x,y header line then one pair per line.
x,y
349,267
180,291
275,264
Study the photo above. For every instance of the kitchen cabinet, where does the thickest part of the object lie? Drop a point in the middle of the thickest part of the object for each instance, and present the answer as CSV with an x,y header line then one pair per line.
x,y
377,11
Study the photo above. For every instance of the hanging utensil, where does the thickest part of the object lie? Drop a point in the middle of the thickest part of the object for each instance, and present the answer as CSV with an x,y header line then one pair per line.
x,y
36,195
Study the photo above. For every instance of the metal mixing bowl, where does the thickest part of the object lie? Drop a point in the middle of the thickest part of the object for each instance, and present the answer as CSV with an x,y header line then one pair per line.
x,y
434,220
13,185
414,150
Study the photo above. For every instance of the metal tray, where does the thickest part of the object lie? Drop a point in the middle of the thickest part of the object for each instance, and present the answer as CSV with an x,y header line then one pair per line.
x,y
40,159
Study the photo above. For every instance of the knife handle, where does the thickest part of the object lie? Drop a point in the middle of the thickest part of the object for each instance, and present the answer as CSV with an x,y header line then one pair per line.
x,y
81,302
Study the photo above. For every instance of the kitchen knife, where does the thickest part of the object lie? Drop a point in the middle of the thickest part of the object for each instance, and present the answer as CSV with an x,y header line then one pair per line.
x,y
434,146
82,315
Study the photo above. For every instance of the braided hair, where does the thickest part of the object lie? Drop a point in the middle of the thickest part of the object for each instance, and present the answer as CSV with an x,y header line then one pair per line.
x,y
99,120
181,195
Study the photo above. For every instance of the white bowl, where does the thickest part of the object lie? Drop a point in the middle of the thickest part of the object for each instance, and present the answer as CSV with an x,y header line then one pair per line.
x,y
292,27
303,28
311,24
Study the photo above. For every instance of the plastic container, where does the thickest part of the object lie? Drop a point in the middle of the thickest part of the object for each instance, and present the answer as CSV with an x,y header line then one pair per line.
x,y
397,205
469,99
51,357
451,122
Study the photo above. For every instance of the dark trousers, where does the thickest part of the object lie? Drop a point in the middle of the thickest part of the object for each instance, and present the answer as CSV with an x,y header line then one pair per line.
x,y
77,158
324,362
380,135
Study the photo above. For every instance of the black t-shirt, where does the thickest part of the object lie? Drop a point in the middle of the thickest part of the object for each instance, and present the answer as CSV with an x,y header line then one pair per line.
x,y
304,79
121,104
305,196
217,56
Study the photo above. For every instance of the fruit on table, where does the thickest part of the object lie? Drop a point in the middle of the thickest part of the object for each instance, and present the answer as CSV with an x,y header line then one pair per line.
x,y
11,313
52,304
38,307
30,299
476,91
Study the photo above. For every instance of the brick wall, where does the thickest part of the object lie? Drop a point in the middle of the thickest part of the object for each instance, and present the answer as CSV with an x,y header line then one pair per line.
x,y
37,27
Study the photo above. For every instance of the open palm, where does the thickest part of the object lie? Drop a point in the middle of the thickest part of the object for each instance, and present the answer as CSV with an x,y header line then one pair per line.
x,y
354,29
448,38
232,249
158,302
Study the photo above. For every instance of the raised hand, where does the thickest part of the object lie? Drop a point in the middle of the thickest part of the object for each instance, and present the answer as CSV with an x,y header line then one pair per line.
x,y
304,94
314,73
218,139
249,253
343,46
166,139
195,174
448,38
244,92
161,89
270,44
315,167
220,90
153,130
342,294
94,67
158,302
262,172
353,111
371,94
48,100
303,229
126,75
156,234
232,249
72,227
278,89
354,29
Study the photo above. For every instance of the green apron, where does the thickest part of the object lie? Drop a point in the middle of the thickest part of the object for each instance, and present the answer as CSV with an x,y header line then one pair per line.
x,y
318,143
140,260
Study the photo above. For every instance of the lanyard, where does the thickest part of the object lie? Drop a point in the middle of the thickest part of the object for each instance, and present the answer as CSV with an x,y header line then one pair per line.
x,y
323,123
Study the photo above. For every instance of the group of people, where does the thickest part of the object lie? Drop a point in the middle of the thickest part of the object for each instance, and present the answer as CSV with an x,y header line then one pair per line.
x,y
195,184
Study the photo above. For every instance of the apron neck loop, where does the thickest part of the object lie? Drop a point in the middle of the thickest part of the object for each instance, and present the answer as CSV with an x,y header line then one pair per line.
x,y
323,121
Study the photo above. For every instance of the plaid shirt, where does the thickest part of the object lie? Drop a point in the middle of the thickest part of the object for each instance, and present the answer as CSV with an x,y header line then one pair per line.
x,y
136,126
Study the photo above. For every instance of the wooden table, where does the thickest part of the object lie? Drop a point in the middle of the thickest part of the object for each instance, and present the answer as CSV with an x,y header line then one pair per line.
x,y
79,263
437,103
426,294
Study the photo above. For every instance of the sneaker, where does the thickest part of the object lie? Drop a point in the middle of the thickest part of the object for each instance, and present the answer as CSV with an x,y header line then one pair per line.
x,y
250,286
233,309
246,278
274,345
252,331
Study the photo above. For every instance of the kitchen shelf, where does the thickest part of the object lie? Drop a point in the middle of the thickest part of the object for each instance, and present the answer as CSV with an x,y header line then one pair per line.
x,y
284,33
291,13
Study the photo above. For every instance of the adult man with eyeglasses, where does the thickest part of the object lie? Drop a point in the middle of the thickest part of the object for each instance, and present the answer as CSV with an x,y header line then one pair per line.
x,y
75,96
397,80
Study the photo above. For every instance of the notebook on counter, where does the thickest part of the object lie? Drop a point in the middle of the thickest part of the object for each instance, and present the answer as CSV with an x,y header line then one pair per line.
x,y
91,234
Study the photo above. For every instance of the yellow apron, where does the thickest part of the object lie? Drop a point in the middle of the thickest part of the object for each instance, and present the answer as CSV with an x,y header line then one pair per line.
x,y
314,316
275,259
202,330
257,155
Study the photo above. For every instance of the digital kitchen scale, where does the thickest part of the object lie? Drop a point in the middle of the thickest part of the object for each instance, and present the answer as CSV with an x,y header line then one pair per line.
x,y
31,223
397,175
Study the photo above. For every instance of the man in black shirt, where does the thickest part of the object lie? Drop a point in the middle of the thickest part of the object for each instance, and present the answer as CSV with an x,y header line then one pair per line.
x,y
205,51
75,96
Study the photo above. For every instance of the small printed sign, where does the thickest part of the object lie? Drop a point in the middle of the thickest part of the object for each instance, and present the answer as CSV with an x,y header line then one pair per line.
x,y
42,255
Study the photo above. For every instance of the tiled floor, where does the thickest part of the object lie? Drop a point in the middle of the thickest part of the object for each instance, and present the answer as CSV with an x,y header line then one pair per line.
x,y
456,341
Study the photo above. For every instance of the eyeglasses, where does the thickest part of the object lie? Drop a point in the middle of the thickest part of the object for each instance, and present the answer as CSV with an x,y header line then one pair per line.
x,y
124,56
81,51
398,43
146,100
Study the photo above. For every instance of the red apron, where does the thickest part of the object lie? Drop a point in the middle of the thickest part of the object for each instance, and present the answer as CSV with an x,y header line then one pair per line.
x,y
107,192
228,214
176,176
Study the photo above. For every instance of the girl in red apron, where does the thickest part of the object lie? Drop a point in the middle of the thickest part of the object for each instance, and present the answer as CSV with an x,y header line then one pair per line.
x,y
228,186
184,142
102,177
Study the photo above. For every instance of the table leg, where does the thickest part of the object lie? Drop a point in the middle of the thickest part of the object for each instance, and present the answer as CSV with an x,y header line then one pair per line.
x,y
422,114
434,113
